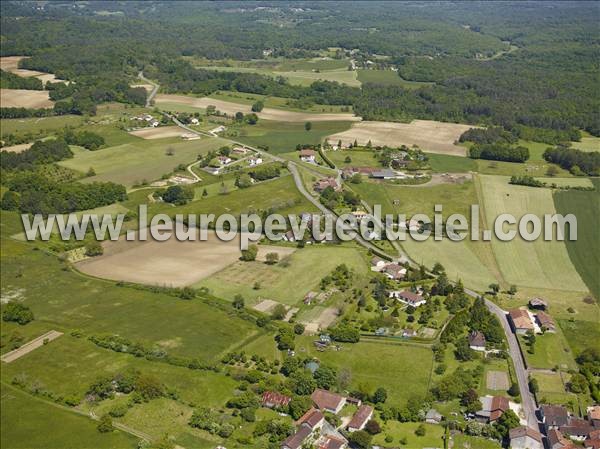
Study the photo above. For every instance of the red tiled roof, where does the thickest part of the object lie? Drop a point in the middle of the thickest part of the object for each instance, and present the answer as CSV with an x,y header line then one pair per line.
x,y
476,338
307,152
523,431
311,418
295,441
332,443
498,407
361,416
521,319
594,412
545,319
410,297
324,399
277,399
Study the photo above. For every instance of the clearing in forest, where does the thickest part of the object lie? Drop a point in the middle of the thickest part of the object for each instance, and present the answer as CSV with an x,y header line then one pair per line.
x,y
22,98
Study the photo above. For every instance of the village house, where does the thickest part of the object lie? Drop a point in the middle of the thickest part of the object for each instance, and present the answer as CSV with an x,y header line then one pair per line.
x,y
307,155
218,129
545,322
224,160
525,438
493,407
273,399
538,303
408,333
323,183
254,161
194,121
378,264
359,214
328,401
477,341
240,150
433,416
577,429
593,440
554,416
154,123
594,415
331,442
296,440
360,418
520,321
408,297
309,426
394,271
556,440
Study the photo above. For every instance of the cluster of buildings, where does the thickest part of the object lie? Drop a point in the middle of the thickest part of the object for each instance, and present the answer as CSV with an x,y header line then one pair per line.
x,y
148,119
323,183
392,270
523,321
564,431
308,155
312,428
375,173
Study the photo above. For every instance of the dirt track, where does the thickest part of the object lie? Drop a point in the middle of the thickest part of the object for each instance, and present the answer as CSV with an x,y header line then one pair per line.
x,y
30,346
21,98
266,114
430,136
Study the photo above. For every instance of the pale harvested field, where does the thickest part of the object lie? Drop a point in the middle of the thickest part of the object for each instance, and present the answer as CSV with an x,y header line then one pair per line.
x,y
430,136
17,148
231,108
21,98
158,133
30,346
281,251
497,380
266,305
170,263
325,319
11,64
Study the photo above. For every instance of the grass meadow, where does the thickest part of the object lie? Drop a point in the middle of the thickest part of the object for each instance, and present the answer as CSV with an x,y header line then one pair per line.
x,y
286,282
30,422
388,78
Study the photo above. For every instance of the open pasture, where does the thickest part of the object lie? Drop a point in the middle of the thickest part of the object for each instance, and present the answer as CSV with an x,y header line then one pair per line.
x,y
388,78
140,160
543,264
21,98
171,263
286,282
160,132
430,136
28,422
231,108
104,307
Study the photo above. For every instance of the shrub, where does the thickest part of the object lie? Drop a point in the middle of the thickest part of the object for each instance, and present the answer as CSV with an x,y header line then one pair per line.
x,y
18,313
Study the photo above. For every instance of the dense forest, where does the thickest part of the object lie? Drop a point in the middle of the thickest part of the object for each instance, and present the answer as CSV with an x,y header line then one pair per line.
x,y
530,68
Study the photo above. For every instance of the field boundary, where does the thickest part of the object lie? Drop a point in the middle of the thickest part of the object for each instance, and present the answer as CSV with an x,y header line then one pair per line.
x,y
30,346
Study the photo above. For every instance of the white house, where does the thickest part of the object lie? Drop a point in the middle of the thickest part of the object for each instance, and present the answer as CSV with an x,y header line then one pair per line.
x,y
224,160
254,160
194,121
408,297
308,155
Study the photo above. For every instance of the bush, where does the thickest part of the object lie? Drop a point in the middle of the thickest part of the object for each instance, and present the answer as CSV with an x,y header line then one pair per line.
x,y
105,424
249,254
18,313
118,410
94,248
420,431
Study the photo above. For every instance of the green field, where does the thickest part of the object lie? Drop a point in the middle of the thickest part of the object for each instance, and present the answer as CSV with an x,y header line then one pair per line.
x,y
274,102
544,264
133,163
587,143
396,364
388,78
462,441
585,251
551,349
282,282
358,158
552,388
41,281
30,423
34,125
282,137
432,438
581,334
445,163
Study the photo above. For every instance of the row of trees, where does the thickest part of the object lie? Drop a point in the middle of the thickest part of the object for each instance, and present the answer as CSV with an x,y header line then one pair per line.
x,y
41,152
499,152
577,161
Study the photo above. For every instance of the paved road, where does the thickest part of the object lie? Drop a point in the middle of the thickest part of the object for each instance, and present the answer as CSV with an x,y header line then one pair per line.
x,y
527,400
150,97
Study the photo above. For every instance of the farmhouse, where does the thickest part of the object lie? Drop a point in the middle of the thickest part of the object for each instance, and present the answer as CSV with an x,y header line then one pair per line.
x,y
409,333
378,264
272,399
322,184
394,271
224,160
477,341
328,401
538,303
493,407
308,155
386,173
556,440
520,321
545,322
218,129
360,418
296,440
240,150
313,418
408,297
254,161
525,438
331,442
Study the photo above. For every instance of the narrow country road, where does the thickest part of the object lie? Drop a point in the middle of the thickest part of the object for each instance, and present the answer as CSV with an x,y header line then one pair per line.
x,y
150,97
527,400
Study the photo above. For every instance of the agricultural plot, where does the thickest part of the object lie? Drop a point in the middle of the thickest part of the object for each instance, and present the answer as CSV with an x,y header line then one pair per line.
x,y
585,251
552,388
551,350
399,431
102,307
430,136
21,98
171,263
544,264
132,163
11,64
286,282
29,422
160,132
39,124
388,78
231,108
